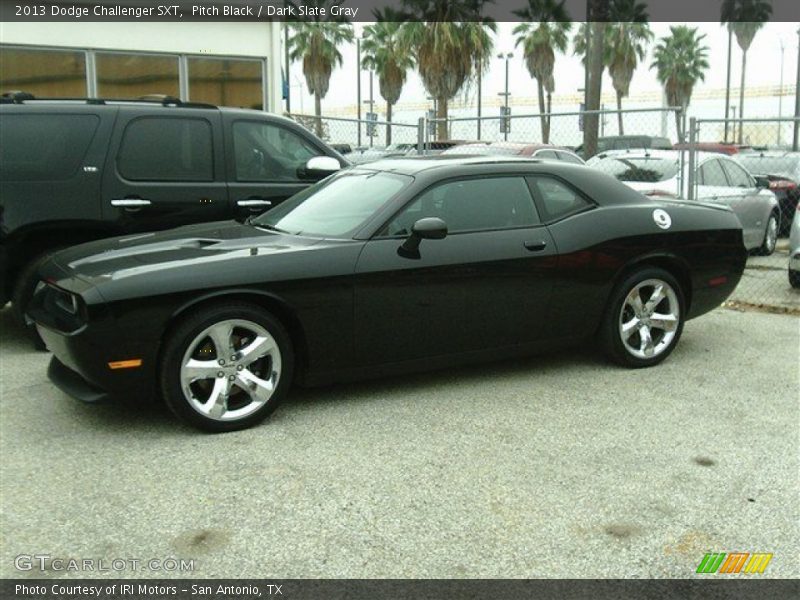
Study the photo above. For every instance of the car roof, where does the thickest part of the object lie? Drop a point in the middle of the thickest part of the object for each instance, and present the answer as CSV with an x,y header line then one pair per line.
x,y
667,154
412,165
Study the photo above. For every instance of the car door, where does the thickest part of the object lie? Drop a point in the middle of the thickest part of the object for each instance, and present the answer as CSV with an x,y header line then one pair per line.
x,y
752,210
265,162
486,285
165,169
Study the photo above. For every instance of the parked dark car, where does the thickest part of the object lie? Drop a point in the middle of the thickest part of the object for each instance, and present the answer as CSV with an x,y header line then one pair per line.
x,y
782,171
75,171
399,265
628,142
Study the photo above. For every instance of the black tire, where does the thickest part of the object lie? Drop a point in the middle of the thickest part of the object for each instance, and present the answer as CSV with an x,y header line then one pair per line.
x,y
185,338
767,246
23,292
794,278
611,336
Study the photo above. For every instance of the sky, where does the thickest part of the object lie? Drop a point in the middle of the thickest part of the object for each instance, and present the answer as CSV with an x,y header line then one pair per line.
x,y
763,69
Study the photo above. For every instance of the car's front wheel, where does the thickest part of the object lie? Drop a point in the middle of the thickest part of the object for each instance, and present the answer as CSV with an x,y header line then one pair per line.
x,y
644,318
226,367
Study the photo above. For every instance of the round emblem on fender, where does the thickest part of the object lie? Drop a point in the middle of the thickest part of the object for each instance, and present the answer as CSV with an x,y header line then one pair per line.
x,y
662,218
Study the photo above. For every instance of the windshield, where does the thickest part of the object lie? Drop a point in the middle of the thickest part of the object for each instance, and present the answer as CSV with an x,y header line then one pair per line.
x,y
639,169
335,207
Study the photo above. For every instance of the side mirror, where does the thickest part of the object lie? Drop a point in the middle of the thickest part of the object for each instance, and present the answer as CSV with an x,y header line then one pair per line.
x,y
430,228
762,182
319,167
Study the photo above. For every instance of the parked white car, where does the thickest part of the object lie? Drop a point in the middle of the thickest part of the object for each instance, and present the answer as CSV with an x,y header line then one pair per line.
x,y
719,179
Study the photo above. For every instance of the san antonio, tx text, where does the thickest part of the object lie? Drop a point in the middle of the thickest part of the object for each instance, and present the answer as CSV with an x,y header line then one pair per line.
x,y
72,590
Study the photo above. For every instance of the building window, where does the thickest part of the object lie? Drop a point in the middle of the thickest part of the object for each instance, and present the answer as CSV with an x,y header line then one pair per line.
x,y
226,82
136,75
43,73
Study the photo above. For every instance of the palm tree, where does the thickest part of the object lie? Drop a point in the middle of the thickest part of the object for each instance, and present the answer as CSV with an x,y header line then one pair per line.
x,y
316,42
450,41
680,60
540,41
744,19
627,37
391,59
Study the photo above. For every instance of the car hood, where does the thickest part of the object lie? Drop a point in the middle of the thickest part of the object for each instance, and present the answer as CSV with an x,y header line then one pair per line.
x,y
191,257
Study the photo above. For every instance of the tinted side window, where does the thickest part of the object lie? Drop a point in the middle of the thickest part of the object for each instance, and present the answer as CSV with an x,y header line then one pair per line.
x,y
267,152
471,205
737,175
711,173
44,147
167,149
557,198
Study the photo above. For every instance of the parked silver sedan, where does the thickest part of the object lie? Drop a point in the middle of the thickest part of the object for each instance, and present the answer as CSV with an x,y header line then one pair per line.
x,y
719,179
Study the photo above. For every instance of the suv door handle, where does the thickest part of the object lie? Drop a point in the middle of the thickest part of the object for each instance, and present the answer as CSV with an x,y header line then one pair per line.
x,y
253,203
130,202
536,246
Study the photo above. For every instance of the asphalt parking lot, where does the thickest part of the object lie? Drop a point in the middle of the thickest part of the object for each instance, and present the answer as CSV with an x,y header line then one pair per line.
x,y
556,466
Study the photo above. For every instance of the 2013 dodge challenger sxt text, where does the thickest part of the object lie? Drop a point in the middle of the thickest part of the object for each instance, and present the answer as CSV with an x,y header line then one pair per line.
x,y
395,266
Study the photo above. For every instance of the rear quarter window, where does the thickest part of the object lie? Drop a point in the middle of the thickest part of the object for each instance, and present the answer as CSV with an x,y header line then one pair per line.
x,y
42,147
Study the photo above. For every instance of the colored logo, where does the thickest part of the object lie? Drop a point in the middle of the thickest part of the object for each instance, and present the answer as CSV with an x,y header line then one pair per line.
x,y
734,562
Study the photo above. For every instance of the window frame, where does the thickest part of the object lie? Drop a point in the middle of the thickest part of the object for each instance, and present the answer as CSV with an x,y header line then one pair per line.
x,y
268,122
121,145
750,181
457,178
542,209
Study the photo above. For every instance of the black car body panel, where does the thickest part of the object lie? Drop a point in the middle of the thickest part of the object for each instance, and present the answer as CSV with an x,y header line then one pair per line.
x,y
356,307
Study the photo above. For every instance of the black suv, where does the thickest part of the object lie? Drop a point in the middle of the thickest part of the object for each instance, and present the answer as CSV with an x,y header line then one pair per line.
x,y
73,171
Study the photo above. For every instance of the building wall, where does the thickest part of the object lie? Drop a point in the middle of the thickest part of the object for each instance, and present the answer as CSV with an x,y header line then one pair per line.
x,y
256,40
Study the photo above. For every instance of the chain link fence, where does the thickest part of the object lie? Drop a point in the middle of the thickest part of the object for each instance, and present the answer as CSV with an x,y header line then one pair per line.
x,y
752,166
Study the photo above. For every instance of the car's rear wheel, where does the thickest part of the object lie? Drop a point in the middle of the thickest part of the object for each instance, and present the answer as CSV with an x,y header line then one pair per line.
x,y
767,247
644,319
794,278
226,367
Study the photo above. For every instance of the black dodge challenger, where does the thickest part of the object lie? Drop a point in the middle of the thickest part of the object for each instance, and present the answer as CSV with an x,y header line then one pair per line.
x,y
398,265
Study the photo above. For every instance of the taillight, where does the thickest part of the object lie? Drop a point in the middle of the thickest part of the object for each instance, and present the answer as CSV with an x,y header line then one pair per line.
x,y
782,184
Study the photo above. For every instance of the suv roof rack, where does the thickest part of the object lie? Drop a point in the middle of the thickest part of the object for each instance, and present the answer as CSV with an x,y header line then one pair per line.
x,y
20,97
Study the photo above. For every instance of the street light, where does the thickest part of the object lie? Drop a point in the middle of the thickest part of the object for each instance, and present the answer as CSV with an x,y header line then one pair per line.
x,y
507,56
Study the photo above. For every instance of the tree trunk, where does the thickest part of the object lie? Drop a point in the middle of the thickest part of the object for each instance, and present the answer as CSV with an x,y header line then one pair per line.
x,y
678,126
741,97
591,121
441,115
619,114
549,114
542,110
318,113
388,120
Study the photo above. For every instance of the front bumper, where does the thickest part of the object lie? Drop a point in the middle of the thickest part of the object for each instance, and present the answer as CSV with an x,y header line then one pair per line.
x,y
72,384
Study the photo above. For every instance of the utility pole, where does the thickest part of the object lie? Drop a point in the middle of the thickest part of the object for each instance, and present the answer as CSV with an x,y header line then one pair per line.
x,y
358,87
288,76
480,76
506,112
797,97
371,108
728,84
780,95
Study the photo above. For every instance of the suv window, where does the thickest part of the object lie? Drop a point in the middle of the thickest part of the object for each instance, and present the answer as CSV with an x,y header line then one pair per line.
x,y
711,173
268,152
471,205
167,149
44,147
737,175
557,199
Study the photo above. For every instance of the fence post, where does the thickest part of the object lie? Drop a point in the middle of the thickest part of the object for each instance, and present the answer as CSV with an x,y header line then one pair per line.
x,y
690,192
422,127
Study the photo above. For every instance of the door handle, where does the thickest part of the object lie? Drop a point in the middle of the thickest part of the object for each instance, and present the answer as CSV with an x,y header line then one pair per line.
x,y
131,205
253,203
536,246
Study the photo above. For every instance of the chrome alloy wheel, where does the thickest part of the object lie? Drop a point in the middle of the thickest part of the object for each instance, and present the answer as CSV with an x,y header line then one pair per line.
x,y
649,318
230,370
771,236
